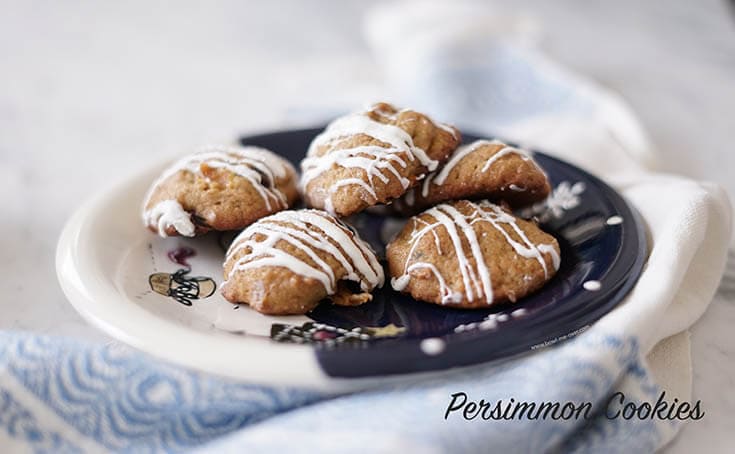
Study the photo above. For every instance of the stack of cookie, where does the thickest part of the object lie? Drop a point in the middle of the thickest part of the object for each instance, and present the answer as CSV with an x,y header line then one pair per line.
x,y
462,247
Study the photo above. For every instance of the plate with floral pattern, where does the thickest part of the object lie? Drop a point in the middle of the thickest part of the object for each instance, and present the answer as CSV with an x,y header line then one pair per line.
x,y
161,295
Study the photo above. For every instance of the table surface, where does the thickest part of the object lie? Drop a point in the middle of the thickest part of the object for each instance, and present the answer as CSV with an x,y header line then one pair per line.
x,y
92,91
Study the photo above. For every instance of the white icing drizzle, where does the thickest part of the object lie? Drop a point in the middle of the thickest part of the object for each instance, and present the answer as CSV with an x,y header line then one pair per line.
x,y
377,162
439,177
475,273
443,126
255,164
310,231
169,213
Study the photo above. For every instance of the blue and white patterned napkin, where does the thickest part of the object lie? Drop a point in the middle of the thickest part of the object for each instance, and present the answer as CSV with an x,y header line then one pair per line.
x,y
458,63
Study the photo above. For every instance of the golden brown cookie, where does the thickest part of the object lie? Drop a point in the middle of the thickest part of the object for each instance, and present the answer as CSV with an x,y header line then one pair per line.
x,y
481,170
287,263
219,188
372,157
471,255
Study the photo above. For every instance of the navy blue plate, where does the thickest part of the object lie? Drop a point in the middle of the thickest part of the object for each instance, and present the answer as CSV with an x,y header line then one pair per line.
x,y
603,249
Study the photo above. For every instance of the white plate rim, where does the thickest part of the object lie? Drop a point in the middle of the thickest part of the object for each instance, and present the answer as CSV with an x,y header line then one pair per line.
x,y
93,293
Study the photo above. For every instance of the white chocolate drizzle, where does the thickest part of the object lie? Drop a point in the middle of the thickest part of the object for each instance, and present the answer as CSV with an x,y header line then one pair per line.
x,y
476,279
440,176
259,166
170,213
378,162
314,233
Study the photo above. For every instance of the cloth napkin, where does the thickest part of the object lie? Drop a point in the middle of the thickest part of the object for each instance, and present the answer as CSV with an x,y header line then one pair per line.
x,y
462,63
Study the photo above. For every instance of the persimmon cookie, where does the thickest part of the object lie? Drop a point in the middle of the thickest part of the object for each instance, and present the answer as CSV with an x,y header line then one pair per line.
x,y
483,169
471,255
219,188
372,157
288,262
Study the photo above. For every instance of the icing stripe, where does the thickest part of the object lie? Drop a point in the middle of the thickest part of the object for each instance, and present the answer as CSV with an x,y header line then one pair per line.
x,y
259,166
376,161
311,232
440,176
476,278
170,213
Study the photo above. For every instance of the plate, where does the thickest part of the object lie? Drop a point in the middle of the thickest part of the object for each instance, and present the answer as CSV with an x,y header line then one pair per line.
x,y
161,295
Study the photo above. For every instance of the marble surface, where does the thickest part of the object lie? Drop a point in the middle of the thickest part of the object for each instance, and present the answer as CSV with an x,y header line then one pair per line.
x,y
93,90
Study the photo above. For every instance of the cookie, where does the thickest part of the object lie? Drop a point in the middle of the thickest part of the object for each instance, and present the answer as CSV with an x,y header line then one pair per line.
x,y
372,157
471,255
219,188
480,170
288,262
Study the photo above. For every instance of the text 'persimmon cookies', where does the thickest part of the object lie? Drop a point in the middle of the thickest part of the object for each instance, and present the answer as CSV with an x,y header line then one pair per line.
x,y
484,169
288,262
219,188
372,157
471,255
